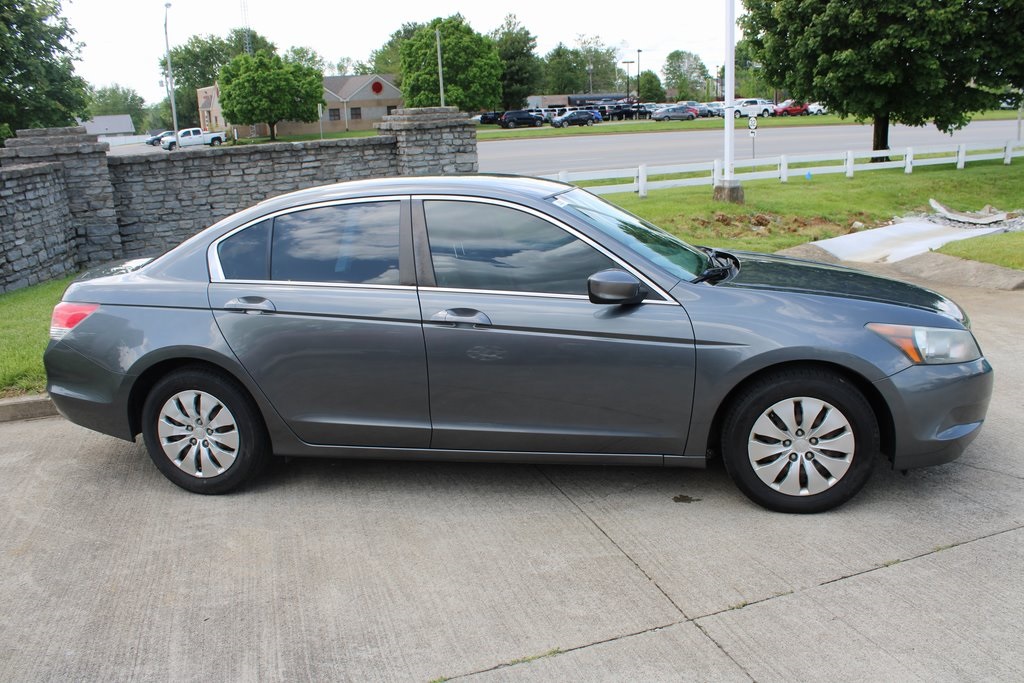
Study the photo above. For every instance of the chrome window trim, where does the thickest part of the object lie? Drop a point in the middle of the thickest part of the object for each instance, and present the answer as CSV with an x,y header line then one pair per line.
x,y
213,258
535,295
553,221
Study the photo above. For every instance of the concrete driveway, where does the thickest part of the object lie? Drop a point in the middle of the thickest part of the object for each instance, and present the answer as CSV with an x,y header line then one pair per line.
x,y
417,572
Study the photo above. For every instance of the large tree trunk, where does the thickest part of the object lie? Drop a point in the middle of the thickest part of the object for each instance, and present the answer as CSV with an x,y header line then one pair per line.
x,y
880,136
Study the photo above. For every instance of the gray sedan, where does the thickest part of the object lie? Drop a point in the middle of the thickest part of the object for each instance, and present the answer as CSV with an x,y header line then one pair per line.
x,y
510,319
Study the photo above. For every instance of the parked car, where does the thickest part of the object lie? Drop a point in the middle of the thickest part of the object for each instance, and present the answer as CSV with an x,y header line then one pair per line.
x,y
715,108
520,117
495,318
156,140
752,107
576,118
790,108
816,108
676,112
491,117
189,137
700,107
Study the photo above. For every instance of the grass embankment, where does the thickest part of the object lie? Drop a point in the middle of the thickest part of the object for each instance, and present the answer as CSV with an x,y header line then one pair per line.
x,y
775,216
24,333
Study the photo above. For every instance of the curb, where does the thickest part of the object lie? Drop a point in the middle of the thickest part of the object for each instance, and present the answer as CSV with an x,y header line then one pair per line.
x,y
26,408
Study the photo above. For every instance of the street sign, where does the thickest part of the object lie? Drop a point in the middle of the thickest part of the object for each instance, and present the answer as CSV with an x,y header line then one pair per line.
x,y
752,123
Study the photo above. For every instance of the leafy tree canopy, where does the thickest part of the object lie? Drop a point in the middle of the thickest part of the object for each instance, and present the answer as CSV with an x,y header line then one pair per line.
x,y
906,61
38,85
591,66
198,62
388,58
263,88
472,68
115,99
686,73
521,68
650,89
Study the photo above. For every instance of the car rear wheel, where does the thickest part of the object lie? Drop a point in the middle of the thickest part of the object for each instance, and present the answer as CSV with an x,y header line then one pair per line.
x,y
215,142
736,114
203,431
590,122
800,441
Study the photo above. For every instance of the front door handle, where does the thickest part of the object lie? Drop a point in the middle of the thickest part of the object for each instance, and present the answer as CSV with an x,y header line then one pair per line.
x,y
461,316
250,304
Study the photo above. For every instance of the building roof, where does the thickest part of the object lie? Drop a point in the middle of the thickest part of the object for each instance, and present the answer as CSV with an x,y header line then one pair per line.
x,y
347,87
111,124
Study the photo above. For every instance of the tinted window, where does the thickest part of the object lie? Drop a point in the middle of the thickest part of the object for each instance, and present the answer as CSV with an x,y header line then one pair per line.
x,y
246,254
355,243
483,246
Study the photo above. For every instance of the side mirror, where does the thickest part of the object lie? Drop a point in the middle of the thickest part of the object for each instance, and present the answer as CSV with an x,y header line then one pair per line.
x,y
615,286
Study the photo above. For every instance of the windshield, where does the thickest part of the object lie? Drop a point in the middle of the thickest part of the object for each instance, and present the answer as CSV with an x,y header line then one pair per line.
x,y
667,251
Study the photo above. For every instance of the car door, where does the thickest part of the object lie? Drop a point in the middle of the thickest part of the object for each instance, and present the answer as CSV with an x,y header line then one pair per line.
x,y
318,307
520,360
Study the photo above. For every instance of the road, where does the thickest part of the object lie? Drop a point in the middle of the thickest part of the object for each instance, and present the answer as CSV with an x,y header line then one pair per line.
x,y
547,156
371,571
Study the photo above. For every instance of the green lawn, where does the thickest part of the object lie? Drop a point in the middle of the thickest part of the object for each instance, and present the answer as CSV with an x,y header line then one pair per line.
x,y
775,216
24,333
1004,249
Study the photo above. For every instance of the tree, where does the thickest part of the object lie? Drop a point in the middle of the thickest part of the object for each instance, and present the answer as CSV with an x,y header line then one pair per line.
x,y
262,88
892,60
198,62
562,72
472,69
650,88
600,62
387,59
521,68
686,73
38,85
115,99
306,56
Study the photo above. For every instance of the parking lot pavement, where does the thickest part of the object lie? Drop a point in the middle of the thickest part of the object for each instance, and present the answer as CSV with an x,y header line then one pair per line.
x,y
330,570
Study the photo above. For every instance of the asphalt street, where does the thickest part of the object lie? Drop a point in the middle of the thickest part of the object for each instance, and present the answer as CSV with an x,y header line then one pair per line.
x,y
368,571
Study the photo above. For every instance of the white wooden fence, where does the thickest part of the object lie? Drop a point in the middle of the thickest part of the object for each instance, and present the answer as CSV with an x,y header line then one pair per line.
x,y
781,167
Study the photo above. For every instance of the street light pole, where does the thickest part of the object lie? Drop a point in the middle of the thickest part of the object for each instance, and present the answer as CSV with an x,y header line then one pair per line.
x,y
440,70
638,72
170,79
627,62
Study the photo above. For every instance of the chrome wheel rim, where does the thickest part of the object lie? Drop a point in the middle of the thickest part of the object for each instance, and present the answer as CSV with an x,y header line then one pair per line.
x,y
198,433
801,446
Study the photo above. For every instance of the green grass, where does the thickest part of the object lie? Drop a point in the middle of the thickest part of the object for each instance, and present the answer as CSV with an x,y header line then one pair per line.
x,y
1003,249
24,333
776,215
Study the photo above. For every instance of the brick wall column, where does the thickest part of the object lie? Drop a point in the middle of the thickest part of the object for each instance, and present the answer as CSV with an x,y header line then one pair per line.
x,y
432,141
90,193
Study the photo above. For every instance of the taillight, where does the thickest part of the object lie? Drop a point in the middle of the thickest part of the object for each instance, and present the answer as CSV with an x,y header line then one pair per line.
x,y
66,315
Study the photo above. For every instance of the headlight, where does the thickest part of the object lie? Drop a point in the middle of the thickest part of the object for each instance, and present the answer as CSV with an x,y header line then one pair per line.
x,y
929,345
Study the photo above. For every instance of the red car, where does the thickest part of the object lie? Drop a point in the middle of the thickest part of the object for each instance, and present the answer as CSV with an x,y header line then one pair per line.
x,y
791,108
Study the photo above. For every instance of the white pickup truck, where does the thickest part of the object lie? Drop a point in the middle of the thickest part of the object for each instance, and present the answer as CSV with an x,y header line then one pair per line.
x,y
193,136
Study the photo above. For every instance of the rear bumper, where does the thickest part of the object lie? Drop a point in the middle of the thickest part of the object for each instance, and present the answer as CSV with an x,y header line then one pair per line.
x,y
937,410
86,393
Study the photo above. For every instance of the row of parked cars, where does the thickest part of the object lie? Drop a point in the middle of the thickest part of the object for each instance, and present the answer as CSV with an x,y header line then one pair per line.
x,y
561,117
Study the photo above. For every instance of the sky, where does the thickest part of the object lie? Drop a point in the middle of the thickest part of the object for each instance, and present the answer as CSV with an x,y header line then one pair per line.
x,y
124,39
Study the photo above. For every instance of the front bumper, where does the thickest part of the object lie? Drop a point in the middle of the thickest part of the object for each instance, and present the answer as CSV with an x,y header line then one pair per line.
x,y
937,410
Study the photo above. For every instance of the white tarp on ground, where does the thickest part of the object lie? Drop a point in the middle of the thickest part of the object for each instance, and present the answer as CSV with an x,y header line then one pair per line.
x,y
897,241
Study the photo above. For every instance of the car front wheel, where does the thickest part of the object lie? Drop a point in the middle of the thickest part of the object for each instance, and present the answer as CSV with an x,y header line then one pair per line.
x,y
203,431
800,441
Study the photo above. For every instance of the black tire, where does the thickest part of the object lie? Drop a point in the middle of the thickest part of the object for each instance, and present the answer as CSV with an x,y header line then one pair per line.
x,y
170,147
690,117
538,123
511,124
736,113
838,435
194,400
590,122
215,142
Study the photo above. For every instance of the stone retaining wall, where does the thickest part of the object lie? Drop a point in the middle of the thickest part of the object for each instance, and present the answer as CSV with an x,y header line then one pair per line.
x,y
37,227
127,206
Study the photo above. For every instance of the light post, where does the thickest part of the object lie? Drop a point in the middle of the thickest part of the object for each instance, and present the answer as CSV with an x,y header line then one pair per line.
x,y
627,62
590,76
638,72
170,79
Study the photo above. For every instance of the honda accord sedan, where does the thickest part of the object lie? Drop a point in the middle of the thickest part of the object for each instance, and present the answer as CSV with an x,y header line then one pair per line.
x,y
492,318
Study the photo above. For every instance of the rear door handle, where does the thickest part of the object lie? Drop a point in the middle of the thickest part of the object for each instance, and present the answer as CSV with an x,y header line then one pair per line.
x,y
461,316
253,305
